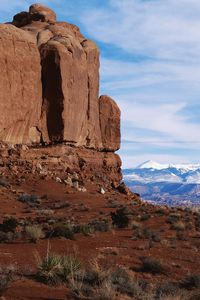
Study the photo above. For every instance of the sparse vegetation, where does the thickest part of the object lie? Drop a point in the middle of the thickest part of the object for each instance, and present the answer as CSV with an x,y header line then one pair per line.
x,y
9,225
153,266
168,290
49,268
180,226
120,218
62,230
6,277
173,218
34,233
147,233
54,269
191,281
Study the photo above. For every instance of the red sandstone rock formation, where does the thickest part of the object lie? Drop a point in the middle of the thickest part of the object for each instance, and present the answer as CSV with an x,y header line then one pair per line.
x,y
59,102
109,123
20,86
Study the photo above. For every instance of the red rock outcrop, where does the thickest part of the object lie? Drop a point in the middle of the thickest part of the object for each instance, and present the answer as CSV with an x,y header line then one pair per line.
x,y
20,86
109,123
50,85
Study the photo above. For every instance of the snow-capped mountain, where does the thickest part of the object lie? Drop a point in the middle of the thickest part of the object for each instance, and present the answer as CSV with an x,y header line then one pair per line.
x,y
165,182
150,164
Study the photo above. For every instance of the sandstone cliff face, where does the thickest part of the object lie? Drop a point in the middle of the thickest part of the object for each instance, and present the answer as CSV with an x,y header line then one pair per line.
x,y
49,85
109,123
20,86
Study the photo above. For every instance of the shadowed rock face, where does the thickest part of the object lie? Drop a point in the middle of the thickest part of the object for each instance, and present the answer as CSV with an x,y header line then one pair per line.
x,y
50,85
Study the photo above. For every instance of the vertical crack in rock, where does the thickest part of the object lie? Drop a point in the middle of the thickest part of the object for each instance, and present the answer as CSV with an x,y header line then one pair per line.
x,y
52,94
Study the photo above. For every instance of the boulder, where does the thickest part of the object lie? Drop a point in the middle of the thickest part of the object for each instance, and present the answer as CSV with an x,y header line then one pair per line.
x,y
39,12
20,86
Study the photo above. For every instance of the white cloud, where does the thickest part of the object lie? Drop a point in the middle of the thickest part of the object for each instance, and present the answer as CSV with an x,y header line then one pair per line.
x,y
166,29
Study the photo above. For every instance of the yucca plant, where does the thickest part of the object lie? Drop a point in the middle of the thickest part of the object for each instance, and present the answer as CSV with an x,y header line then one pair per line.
x,y
49,268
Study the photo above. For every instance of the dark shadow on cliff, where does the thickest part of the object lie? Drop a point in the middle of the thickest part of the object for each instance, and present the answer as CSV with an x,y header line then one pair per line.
x,y
52,94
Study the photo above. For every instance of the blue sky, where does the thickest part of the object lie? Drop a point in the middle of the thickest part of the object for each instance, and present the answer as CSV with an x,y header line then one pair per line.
x,y
150,64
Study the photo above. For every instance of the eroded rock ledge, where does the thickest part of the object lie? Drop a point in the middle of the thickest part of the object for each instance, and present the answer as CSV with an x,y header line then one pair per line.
x,y
49,88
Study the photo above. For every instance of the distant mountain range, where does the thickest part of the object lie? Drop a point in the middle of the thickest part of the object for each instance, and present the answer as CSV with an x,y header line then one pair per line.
x,y
171,184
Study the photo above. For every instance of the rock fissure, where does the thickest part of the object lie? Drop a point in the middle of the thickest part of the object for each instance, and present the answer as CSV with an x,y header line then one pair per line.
x,y
52,94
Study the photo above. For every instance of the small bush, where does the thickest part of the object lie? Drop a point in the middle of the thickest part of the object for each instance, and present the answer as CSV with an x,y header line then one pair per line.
x,y
85,229
152,266
145,217
102,226
173,218
3,182
9,225
147,233
95,274
135,225
167,290
34,233
120,218
178,226
191,282
28,198
70,265
105,291
6,276
63,230
80,290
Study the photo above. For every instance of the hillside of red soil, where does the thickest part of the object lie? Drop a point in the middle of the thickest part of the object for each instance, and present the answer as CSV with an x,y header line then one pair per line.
x,y
175,245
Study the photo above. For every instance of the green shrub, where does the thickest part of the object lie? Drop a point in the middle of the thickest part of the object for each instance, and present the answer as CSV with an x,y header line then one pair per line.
x,y
102,226
6,277
120,218
63,230
147,233
9,225
49,269
125,284
167,290
173,218
54,269
95,274
152,266
85,229
28,198
191,282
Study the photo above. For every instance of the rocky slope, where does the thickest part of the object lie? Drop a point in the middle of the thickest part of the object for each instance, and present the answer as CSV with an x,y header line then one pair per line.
x,y
49,93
